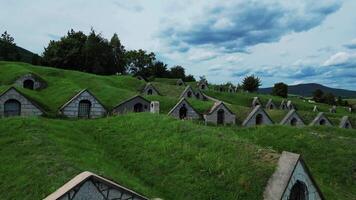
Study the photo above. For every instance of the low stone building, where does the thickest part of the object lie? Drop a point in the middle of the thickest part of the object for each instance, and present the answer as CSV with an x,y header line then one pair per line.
x,y
332,109
283,105
134,104
220,114
321,120
202,85
30,81
292,180
183,110
270,105
315,109
258,116
149,89
90,186
200,95
292,119
231,89
14,103
180,82
83,105
290,105
255,102
188,93
345,122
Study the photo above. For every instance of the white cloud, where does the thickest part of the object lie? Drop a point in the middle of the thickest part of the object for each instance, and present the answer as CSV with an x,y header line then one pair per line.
x,y
340,58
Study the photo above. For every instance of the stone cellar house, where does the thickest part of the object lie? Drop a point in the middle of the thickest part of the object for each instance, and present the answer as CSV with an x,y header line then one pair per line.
x,y
270,105
258,116
321,120
30,81
291,180
315,109
290,105
180,82
332,109
83,105
200,95
134,104
14,103
149,89
292,119
188,92
202,85
220,114
345,122
90,186
255,102
183,110
283,105
231,89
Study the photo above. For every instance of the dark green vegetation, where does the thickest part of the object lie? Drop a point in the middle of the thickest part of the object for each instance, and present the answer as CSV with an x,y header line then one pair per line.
x,y
156,155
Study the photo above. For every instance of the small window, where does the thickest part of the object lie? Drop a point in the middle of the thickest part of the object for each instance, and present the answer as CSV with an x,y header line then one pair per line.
x,y
322,122
12,107
138,107
293,122
149,92
259,119
299,191
221,116
189,94
84,109
183,112
29,84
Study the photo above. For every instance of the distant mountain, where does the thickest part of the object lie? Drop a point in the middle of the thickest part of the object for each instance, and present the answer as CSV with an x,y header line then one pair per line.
x,y
25,55
308,89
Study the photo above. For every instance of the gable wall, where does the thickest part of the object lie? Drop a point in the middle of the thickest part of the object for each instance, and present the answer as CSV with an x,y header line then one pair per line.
x,y
97,110
185,94
299,120
154,91
213,117
301,175
252,121
37,84
129,106
191,114
327,122
27,108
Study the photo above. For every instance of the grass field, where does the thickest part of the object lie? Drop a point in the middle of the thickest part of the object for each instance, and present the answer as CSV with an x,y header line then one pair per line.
x,y
159,156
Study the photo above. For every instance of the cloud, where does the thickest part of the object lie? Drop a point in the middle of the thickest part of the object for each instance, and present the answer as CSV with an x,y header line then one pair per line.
x,y
130,6
342,59
233,26
351,45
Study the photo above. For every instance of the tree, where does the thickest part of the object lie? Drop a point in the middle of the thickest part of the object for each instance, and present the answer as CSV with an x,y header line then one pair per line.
x,y
329,98
177,72
251,83
318,95
8,49
158,69
119,53
280,89
189,78
139,61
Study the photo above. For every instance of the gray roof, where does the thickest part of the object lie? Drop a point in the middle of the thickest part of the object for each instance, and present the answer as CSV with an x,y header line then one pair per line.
x,y
344,120
216,105
289,115
318,117
150,85
130,99
186,90
182,100
270,101
77,95
253,112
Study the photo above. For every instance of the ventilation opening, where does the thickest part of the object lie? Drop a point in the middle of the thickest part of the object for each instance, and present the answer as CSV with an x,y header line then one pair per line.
x,y
203,87
271,107
322,122
221,116
198,95
29,84
84,109
293,122
298,192
149,92
259,119
12,107
347,125
189,94
138,107
183,112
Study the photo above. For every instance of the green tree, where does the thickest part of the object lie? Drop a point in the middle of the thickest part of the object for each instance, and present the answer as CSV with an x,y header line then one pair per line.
x,y
251,83
139,61
318,95
119,53
280,89
329,98
177,72
158,69
8,49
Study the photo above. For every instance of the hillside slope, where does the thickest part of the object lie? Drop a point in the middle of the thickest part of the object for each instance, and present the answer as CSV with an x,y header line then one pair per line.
x,y
162,157
307,90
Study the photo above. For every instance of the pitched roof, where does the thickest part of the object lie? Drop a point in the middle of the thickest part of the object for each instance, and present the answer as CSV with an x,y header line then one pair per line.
x,y
269,103
25,96
289,115
283,103
343,121
84,176
186,90
130,99
253,112
77,95
180,102
278,183
151,85
318,117
256,100
216,106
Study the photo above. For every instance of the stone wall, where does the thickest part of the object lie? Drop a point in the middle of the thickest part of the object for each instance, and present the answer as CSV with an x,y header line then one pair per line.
x,y
97,109
37,83
213,117
27,107
150,87
191,113
252,121
128,106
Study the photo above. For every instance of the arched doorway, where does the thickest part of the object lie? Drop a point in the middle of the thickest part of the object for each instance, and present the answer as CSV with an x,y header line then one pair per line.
x,y
183,112
298,192
198,95
271,107
322,122
138,107
293,122
259,119
203,87
84,109
189,94
347,125
221,116
149,92
12,107
29,84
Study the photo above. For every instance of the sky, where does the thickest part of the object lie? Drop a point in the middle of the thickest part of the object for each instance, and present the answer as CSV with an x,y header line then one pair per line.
x,y
304,41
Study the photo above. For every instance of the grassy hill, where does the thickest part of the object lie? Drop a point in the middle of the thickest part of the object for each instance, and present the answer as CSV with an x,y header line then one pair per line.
x,y
155,154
